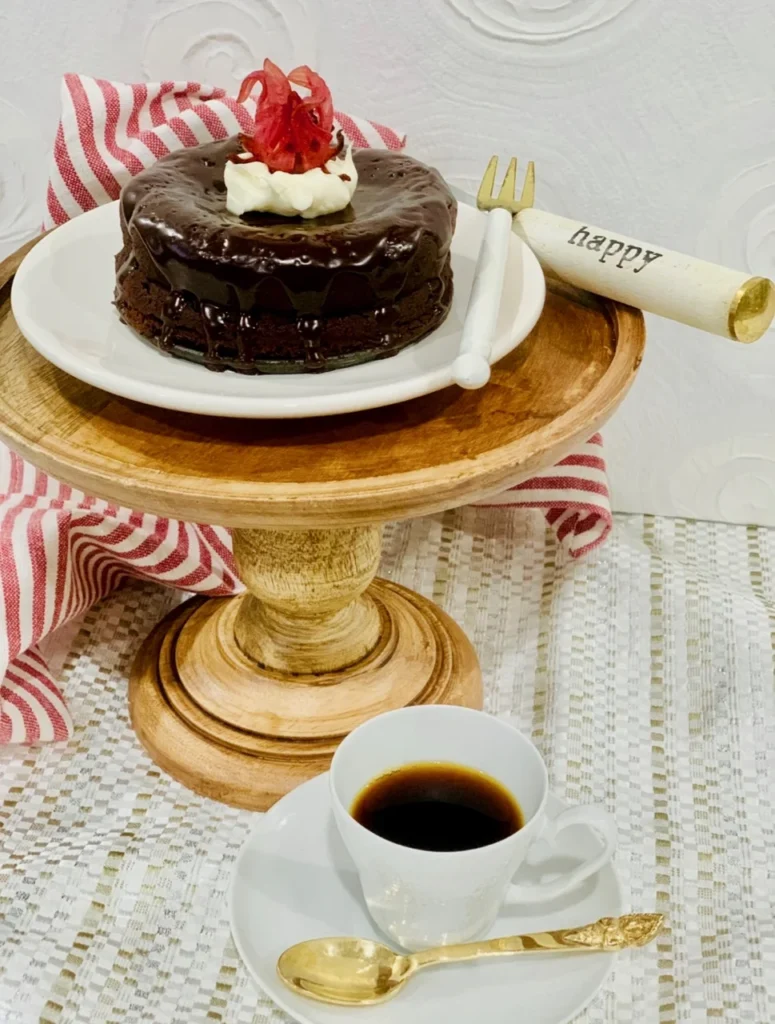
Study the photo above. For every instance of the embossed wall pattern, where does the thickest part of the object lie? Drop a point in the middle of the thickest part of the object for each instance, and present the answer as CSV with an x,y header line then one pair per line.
x,y
647,116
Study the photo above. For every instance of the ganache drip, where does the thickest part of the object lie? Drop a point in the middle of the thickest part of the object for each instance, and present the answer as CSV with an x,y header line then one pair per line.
x,y
173,307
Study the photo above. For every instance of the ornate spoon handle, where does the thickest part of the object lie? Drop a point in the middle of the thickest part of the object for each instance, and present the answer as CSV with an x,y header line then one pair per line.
x,y
609,934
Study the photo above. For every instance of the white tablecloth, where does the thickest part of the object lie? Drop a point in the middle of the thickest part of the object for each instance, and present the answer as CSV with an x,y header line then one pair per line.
x,y
645,674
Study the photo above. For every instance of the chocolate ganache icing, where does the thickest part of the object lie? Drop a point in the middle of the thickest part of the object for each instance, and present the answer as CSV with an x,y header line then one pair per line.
x,y
264,293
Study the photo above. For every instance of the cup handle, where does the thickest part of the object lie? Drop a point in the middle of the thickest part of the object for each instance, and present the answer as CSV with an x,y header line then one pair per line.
x,y
595,818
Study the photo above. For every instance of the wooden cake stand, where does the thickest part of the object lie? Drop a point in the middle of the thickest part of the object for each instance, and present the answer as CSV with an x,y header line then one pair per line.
x,y
243,698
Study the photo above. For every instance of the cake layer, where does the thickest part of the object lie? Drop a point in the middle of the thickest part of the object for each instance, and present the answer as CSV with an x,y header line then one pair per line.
x,y
266,342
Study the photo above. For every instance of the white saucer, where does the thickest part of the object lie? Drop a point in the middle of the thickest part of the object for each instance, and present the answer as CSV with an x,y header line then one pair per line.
x,y
62,301
294,880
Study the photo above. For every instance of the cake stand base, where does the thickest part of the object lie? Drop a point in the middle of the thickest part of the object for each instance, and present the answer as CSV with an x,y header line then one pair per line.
x,y
246,734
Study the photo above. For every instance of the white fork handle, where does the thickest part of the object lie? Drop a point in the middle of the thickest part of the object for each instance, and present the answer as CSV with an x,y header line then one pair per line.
x,y
471,369
704,295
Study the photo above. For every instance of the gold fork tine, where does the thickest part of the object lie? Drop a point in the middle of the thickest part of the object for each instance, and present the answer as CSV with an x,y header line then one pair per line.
x,y
506,196
529,191
484,196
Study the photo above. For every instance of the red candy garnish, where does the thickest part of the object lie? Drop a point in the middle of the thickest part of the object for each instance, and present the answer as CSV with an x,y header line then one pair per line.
x,y
291,133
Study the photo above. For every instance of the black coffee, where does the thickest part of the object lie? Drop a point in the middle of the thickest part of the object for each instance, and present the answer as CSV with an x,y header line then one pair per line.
x,y
438,806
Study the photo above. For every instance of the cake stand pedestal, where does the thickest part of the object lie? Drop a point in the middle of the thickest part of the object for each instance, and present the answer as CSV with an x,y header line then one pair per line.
x,y
243,698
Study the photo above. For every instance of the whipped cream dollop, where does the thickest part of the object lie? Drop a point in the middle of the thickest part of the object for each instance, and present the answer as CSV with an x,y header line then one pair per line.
x,y
252,187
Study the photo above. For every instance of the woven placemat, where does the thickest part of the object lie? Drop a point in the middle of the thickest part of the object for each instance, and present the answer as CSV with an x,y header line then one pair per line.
x,y
645,675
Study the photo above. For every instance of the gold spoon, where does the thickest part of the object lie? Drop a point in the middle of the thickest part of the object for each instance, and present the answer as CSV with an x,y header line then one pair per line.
x,y
359,972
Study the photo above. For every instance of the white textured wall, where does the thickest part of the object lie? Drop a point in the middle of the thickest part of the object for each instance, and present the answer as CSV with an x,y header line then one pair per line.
x,y
654,117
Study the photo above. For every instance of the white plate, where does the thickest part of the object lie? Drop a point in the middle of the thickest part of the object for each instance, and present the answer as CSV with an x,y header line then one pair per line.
x,y
62,301
294,880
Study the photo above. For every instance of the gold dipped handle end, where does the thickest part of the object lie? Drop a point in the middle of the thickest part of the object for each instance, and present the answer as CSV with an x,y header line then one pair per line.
x,y
752,310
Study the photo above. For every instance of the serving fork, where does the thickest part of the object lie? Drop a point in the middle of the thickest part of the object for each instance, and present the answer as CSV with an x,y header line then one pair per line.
x,y
471,368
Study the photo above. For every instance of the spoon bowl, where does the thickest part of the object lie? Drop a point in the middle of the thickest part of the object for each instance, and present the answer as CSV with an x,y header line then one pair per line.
x,y
344,971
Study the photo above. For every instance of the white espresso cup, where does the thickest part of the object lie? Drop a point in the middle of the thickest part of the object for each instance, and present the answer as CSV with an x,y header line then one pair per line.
x,y
425,898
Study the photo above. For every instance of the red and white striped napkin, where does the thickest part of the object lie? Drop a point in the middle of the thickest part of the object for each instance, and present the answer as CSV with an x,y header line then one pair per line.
x,y
60,550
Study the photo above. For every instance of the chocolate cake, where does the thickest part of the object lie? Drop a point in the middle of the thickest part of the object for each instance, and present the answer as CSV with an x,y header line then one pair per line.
x,y
261,293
